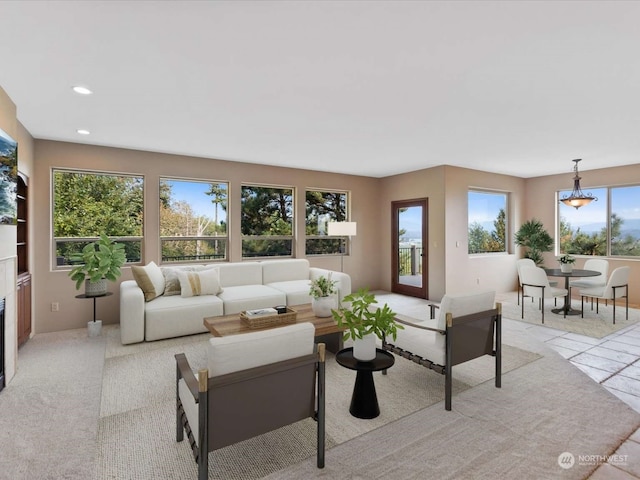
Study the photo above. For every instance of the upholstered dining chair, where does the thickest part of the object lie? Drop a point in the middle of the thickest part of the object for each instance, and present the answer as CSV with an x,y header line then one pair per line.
x,y
468,326
616,287
598,265
527,262
535,283
256,382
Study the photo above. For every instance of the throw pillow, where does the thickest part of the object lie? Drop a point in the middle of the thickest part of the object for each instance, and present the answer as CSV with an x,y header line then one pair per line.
x,y
150,280
171,280
205,282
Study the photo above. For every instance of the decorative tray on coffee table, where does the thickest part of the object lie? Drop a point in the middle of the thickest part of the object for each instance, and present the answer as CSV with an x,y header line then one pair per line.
x,y
268,320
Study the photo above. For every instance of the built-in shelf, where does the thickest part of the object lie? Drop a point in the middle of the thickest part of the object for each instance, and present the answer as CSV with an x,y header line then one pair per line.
x,y
22,251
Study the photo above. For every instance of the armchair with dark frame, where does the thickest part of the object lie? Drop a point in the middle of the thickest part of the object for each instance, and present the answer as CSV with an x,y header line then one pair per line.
x,y
256,382
469,326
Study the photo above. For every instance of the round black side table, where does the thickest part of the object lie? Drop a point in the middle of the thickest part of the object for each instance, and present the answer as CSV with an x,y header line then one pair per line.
x,y
364,400
94,300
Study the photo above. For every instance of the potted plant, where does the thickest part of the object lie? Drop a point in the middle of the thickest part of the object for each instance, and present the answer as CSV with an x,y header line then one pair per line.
x,y
533,236
100,261
363,324
566,263
323,292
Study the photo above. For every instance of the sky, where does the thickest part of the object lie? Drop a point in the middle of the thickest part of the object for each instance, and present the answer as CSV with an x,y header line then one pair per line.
x,y
484,208
194,194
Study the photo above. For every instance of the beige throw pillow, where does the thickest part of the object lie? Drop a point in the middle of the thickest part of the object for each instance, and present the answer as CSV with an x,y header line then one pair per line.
x,y
204,282
171,280
150,280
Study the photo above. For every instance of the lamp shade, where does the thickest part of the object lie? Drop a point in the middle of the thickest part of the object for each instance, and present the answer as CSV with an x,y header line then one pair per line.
x,y
341,229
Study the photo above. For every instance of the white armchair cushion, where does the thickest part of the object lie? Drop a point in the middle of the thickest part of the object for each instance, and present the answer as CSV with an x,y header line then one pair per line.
x,y
150,280
464,304
248,350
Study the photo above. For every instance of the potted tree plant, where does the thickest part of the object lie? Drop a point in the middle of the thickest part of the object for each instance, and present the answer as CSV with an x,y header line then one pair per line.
x,y
533,236
363,324
99,261
323,292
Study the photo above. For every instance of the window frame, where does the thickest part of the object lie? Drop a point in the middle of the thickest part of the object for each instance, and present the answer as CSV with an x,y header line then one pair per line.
x,y
193,238
55,264
507,223
340,244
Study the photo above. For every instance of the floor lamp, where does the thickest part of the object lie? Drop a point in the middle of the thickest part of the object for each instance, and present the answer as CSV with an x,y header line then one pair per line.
x,y
341,229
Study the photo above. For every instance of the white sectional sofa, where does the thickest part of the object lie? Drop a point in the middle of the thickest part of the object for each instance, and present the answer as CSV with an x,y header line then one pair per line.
x,y
163,303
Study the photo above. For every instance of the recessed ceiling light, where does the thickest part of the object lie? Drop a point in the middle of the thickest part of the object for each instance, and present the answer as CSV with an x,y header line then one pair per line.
x,y
82,131
82,90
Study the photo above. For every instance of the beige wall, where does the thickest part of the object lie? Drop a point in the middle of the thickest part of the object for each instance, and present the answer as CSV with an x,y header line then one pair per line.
x,y
540,203
55,286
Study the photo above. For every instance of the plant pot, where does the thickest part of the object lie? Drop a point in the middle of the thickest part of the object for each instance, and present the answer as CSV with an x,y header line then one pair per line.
x,y
364,349
566,267
322,306
94,328
95,289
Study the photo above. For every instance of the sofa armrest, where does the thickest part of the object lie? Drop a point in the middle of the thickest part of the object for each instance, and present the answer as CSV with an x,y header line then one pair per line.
x,y
343,279
131,313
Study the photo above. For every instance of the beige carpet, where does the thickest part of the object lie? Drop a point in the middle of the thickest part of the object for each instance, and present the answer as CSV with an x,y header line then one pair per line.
x,y
136,432
596,325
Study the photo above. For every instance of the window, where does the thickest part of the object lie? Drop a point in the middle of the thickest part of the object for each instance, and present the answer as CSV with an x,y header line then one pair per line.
x,y
86,205
609,226
322,207
487,222
267,221
193,220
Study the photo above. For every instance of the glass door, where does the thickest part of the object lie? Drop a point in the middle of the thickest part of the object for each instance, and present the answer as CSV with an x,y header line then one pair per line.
x,y
410,247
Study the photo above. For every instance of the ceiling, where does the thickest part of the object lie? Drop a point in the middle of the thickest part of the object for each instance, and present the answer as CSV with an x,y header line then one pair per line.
x,y
357,87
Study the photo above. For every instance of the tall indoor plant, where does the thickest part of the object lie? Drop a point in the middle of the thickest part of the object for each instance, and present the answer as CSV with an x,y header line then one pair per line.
x,y
363,323
535,239
99,261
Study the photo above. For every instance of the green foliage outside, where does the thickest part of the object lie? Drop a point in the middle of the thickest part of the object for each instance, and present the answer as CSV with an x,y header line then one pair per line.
x,y
483,241
266,211
595,243
89,205
320,208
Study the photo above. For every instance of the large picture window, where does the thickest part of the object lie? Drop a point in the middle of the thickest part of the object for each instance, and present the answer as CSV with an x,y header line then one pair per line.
x,y
193,220
267,221
487,222
88,204
322,207
609,226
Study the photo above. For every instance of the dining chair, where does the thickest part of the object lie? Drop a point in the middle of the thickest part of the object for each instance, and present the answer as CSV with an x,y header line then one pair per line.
x,y
597,264
616,287
535,283
527,262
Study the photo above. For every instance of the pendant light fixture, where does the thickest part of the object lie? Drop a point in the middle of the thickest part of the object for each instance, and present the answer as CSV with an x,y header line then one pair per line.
x,y
577,198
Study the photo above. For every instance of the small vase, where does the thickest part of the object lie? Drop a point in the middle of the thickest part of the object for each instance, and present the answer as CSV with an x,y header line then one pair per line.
x,y
364,349
566,267
322,306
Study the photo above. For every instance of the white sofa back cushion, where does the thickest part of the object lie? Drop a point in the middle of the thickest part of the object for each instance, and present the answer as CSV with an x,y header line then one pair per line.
x,y
248,350
238,274
274,271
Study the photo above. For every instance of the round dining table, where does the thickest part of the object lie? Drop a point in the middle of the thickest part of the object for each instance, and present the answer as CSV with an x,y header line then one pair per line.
x,y
576,272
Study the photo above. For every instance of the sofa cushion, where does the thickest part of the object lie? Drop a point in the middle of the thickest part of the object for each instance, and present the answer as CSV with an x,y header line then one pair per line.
x,y
150,280
204,282
274,271
237,274
171,280
248,297
239,352
174,316
297,291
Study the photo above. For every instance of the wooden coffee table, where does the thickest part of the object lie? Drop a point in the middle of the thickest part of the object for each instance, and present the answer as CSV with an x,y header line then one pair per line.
x,y
327,331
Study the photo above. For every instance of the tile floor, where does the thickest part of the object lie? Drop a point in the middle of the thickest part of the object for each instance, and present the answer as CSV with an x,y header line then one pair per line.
x,y
614,362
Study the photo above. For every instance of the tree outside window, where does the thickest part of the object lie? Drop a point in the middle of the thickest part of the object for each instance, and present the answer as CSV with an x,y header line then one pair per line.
x,y
267,221
487,222
193,220
87,204
609,226
323,207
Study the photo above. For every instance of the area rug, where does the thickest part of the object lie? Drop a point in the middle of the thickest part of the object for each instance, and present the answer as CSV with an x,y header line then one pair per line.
x,y
596,325
136,431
